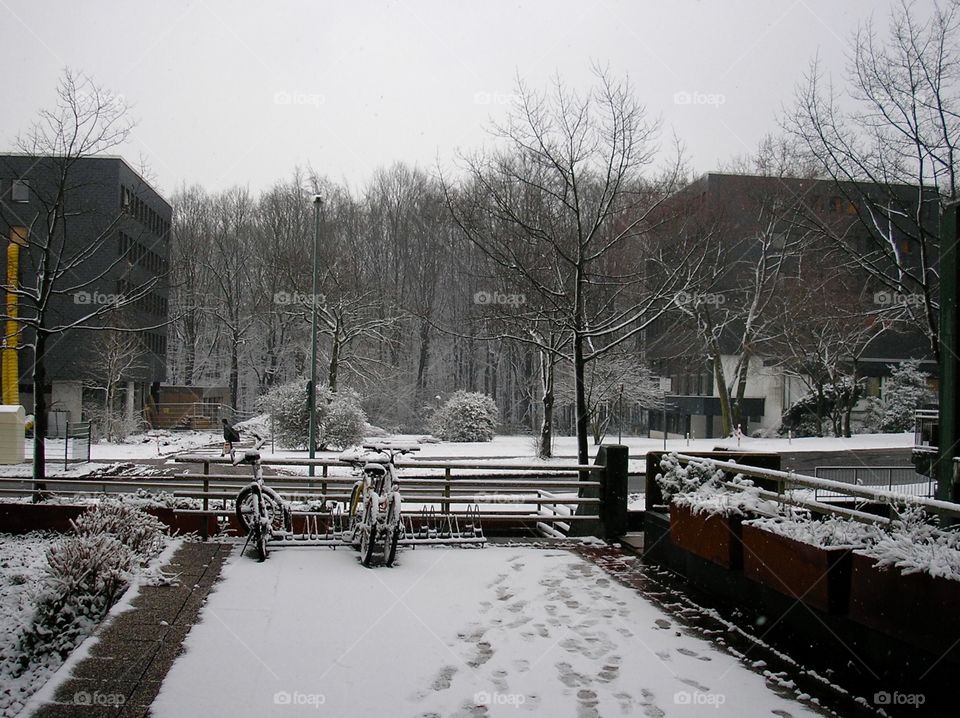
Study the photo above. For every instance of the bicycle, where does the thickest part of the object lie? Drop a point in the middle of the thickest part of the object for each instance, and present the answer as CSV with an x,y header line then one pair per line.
x,y
377,496
261,511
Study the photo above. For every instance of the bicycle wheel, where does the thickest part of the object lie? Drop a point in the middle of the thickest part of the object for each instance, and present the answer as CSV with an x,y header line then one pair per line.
x,y
246,503
394,529
368,540
392,546
260,538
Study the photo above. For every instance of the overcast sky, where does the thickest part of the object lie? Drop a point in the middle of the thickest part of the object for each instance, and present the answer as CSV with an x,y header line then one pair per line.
x,y
228,92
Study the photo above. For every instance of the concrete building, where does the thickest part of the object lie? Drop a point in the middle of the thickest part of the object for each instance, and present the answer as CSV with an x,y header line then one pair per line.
x,y
111,242
741,212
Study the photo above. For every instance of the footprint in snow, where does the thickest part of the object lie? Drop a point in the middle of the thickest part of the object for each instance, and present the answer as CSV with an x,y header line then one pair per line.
x,y
626,632
782,713
650,709
483,653
522,665
626,702
610,669
664,656
503,594
471,710
687,652
695,684
519,621
501,577
442,681
570,677
516,606
587,702
662,623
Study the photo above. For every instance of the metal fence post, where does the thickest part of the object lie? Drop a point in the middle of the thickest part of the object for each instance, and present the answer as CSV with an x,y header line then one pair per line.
x,y
206,500
66,446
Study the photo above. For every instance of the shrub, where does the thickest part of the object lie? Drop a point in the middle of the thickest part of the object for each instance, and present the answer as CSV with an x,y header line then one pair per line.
x,y
340,420
344,422
85,575
466,416
137,530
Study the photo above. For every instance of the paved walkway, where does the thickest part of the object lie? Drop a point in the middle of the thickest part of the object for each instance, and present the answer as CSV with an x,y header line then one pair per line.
x,y
124,670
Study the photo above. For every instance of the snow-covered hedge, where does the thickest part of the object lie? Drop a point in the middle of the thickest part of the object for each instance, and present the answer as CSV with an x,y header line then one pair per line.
x,y
137,530
340,420
700,487
466,416
86,573
915,545
828,532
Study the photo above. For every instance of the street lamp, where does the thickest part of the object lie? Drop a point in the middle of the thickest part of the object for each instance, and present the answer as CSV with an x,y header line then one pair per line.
x,y
312,386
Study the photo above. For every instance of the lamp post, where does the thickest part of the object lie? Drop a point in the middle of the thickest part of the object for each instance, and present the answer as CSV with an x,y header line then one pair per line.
x,y
312,386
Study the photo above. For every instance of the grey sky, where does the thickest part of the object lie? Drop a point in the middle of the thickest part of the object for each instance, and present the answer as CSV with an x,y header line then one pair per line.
x,y
239,93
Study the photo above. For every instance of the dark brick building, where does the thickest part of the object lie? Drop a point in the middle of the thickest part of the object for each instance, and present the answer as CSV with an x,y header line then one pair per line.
x,y
116,229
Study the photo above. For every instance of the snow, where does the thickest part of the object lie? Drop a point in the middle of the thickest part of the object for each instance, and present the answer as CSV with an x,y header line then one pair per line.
x,y
831,531
447,632
22,563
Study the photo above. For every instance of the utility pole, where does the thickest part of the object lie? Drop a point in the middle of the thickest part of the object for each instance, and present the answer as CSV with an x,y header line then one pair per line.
x,y
312,386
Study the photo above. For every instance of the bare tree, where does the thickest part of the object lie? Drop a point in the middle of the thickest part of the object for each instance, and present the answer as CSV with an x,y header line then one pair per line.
x,y
891,146
86,121
115,357
562,207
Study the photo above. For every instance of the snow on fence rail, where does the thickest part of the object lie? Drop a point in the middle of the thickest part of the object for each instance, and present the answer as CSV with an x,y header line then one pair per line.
x,y
788,482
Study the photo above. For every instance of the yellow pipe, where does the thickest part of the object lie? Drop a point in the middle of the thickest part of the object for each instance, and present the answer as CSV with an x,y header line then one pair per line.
x,y
9,365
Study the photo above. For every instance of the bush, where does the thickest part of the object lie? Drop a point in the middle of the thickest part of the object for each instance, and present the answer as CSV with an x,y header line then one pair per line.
x,y
86,573
340,420
344,422
137,530
467,416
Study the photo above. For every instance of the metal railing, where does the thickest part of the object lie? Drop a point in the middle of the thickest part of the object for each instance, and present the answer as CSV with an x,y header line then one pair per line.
x,y
792,489
897,479
528,495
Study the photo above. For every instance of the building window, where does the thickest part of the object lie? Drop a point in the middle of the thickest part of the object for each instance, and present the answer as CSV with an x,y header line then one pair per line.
x,y
20,191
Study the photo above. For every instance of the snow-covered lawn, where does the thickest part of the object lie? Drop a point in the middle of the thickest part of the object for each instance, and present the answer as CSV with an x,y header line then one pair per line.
x,y
22,561
450,632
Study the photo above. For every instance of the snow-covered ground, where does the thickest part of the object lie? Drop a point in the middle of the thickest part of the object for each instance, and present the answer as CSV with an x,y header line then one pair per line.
x,y
22,563
501,631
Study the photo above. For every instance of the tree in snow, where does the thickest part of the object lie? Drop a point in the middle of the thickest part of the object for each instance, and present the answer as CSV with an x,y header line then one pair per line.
x,y
466,416
890,143
340,420
905,391
561,206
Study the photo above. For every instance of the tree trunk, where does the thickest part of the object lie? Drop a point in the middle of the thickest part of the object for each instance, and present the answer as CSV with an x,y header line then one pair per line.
x,y
726,418
579,378
234,371
424,359
545,449
39,411
334,362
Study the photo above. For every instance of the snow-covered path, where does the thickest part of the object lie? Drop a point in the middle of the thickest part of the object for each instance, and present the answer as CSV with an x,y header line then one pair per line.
x,y
495,632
